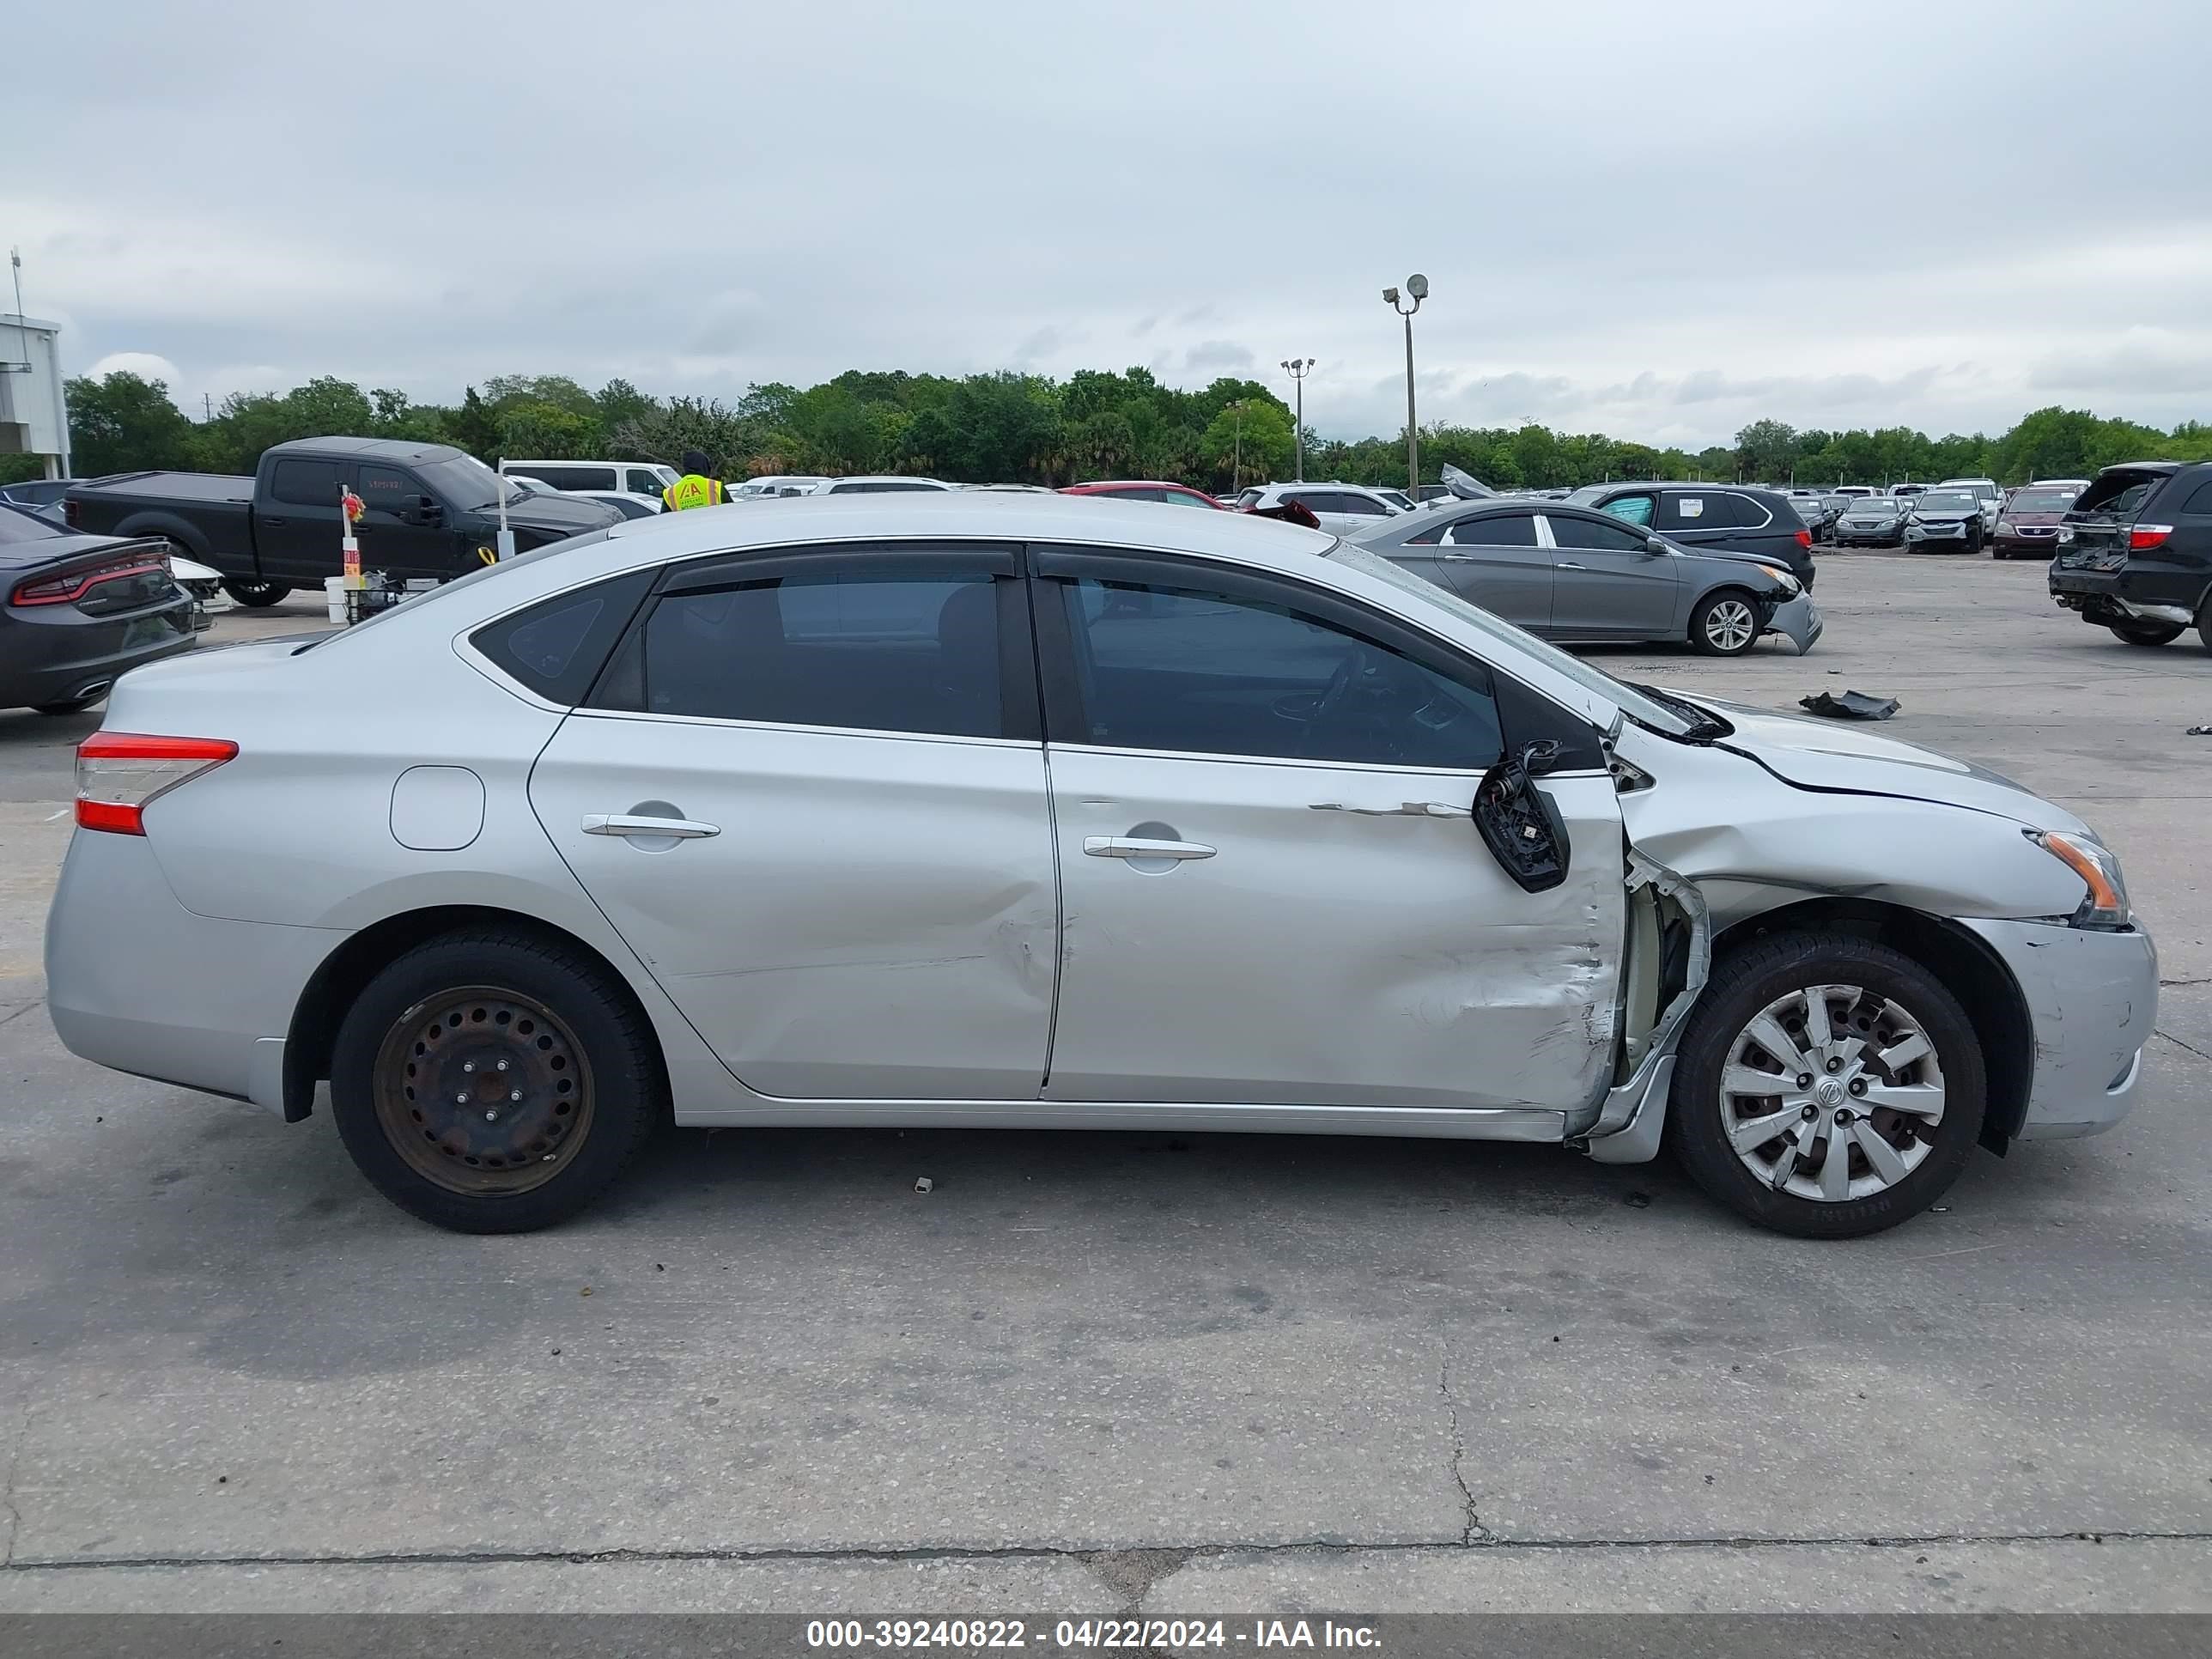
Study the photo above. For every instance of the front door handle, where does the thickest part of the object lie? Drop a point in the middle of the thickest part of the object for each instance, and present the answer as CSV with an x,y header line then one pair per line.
x,y
1457,558
622,823
1125,846
276,522
1411,809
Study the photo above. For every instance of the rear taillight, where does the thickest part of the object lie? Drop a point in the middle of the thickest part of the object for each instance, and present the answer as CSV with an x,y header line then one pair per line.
x,y
2144,536
72,514
118,772
1805,540
74,585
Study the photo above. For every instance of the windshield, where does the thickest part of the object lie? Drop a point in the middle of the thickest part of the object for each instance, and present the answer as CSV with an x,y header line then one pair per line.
x,y
2041,500
466,485
1644,709
1947,501
1879,504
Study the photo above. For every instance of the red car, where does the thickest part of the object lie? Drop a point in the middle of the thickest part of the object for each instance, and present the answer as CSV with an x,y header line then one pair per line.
x,y
1146,490
2027,524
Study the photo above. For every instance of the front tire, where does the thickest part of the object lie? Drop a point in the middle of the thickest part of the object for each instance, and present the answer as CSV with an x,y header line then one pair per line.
x,y
257,596
1826,1086
2138,633
1725,624
493,1082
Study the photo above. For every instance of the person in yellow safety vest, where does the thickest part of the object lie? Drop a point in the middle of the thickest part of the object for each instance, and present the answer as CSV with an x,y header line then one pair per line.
x,y
695,488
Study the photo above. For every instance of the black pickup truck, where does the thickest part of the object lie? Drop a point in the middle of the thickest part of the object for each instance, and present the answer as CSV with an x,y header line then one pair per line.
x,y
430,508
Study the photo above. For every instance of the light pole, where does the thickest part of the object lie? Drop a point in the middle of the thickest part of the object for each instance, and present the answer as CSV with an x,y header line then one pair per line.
x,y
1298,369
1416,288
1237,449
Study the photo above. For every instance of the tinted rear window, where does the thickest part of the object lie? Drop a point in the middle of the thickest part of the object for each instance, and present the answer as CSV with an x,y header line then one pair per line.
x,y
556,647
2201,501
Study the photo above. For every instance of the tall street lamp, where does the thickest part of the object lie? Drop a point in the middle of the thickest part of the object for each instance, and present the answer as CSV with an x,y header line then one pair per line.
x,y
1416,288
1237,464
1298,369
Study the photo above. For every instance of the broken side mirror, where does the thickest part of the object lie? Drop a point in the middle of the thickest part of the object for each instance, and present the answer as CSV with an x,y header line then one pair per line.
x,y
1518,821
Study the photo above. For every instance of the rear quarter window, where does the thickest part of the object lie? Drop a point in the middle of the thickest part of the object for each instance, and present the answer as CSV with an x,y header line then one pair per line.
x,y
557,647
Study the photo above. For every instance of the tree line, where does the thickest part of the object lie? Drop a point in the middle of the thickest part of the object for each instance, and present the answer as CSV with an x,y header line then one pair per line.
x,y
1029,428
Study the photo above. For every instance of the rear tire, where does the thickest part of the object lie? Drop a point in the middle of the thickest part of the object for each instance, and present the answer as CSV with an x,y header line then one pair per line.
x,y
1873,1001
1725,623
257,596
493,1082
2135,633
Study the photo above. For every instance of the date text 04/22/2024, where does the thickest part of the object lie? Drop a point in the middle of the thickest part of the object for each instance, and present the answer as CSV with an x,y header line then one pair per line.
x,y
984,1635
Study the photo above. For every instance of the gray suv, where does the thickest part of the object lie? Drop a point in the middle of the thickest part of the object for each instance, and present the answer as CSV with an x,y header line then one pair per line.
x,y
1726,518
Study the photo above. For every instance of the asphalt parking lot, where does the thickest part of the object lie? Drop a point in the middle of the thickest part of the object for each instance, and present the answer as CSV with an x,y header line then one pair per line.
x,y
1095,1372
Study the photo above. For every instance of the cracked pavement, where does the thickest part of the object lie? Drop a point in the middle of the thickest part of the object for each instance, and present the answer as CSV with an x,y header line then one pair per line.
x,y
1089,1373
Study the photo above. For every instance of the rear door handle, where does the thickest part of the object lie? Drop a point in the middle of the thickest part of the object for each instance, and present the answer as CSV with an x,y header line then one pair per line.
x,y
1124,846
1568,564
1457,558
622,823
279,522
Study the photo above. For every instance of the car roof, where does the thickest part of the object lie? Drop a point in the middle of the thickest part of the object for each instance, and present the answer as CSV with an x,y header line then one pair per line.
x,y
388,449
888,478
1129,483
971,513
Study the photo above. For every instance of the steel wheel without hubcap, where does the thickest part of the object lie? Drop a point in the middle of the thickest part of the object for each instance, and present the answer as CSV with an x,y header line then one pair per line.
x,y
483,1091
1832,1093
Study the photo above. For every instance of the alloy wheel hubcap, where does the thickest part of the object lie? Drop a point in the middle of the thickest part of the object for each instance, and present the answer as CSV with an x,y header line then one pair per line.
x,y
1729,625
1832,1093
483,1090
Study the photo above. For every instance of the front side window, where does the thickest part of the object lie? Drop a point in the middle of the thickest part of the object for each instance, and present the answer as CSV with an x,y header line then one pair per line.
x,y
1192,672
881,645
384,487
1589,534
644,481
1630,509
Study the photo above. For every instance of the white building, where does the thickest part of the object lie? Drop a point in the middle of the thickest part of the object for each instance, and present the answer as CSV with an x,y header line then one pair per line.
x,y
33,419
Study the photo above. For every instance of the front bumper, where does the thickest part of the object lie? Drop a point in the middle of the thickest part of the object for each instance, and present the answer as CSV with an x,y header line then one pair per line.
x,y
2025,543
138,983
1799,621
1937,535
1856,538
2092,998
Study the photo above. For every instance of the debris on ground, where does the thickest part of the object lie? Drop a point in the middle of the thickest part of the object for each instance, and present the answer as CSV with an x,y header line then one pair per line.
x,y
1852,706
2200,732
923,1183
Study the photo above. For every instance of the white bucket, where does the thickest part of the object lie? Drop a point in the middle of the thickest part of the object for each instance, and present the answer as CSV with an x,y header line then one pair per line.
x,y
334,598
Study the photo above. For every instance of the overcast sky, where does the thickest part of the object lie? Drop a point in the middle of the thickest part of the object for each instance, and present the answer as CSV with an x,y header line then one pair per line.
x,y
1659,222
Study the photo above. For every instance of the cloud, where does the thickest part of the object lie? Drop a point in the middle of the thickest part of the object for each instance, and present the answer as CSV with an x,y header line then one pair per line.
x,y
1218,357
144,364
1154,183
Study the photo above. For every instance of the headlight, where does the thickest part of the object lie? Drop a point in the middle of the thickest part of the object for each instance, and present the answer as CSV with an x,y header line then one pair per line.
x,y
2105,904
1790,586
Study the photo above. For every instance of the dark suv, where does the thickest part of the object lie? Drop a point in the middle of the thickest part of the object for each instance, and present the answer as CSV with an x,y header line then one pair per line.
x,y
1731,517
2135,551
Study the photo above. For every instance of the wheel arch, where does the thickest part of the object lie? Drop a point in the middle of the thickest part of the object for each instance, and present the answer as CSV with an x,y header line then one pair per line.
x,y
334,986
170,526
1968,967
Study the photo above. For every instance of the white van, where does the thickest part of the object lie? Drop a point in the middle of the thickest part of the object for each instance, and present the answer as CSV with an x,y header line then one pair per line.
x,y
646,478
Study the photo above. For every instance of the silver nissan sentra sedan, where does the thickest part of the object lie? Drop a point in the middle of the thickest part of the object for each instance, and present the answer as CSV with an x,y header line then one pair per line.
x,y
961,810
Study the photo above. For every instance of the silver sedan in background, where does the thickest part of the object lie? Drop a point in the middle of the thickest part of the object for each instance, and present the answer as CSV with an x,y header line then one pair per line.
x,y
1575,575
960,808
